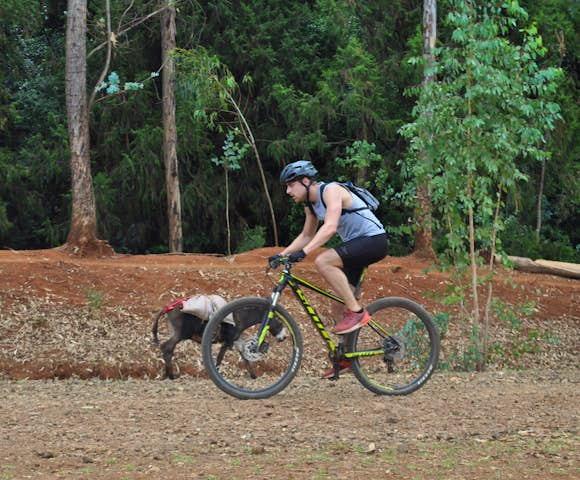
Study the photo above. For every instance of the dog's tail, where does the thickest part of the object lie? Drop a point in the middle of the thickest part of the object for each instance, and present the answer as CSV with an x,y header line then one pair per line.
x,y
156,326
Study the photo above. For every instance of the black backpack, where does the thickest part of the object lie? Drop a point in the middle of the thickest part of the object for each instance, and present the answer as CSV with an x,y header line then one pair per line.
x,y
370,201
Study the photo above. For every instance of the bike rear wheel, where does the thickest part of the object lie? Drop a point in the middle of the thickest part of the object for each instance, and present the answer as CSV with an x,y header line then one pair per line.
x,y
398,350
233,359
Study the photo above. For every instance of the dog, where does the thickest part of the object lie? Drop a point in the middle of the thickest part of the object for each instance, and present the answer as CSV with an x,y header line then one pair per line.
x,y
187,318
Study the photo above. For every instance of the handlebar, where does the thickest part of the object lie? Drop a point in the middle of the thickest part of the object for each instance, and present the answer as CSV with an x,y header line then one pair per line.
x,y
277,262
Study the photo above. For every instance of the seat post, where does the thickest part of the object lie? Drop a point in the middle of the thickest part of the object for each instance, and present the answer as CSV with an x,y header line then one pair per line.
x,y
361,279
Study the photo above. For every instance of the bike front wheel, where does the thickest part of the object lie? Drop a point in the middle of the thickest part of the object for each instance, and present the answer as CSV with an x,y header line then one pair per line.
x,y
398,350
235,359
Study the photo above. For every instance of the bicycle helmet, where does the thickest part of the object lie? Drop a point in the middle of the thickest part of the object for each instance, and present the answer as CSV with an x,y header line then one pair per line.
x,y
298,169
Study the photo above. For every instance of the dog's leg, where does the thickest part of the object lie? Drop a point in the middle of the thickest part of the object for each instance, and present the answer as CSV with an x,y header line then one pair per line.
x,y
168,347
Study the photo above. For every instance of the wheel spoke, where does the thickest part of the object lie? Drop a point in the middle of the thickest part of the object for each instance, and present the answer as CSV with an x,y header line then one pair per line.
x,y
409,342
248,369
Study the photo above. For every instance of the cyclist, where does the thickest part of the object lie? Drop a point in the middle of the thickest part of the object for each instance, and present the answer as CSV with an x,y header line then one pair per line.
x,y
364,240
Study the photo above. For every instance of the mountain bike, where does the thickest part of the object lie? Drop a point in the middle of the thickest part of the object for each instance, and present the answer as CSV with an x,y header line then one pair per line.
x,y
394,354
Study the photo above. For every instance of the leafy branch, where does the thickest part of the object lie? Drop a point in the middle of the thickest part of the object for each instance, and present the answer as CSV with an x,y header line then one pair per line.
x,y
212,87
233,153
489,110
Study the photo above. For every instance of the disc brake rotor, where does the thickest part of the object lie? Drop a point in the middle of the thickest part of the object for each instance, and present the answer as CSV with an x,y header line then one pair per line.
x,y
394,347
251,351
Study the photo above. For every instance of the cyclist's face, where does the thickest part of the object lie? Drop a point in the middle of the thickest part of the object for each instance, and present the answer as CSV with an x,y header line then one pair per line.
x,y
297,190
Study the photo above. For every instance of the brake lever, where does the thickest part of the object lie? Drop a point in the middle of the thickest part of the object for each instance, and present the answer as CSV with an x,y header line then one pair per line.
x,y
281,262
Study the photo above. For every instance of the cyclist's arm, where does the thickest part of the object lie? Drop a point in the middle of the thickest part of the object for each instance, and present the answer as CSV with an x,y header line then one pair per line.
x,y
333,198
306,236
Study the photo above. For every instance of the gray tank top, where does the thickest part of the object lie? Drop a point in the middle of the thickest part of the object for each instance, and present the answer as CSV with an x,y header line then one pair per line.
x,y
362,223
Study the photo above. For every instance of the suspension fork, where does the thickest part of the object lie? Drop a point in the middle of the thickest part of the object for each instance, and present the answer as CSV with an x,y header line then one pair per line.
x,y
276,292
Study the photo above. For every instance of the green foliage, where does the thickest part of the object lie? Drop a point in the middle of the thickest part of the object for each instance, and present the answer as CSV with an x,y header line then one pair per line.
x,y
488,109
205,83
252,238
351,87
362,155
558,23
113,84
521,240
313,80
350,96
485,114
520,341
511,314
33,150
5,225
233,152
95,301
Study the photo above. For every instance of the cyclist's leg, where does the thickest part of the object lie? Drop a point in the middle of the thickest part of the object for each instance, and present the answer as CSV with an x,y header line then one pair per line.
x,y
361,252
342,266
355,316
356,255
355,280
330,265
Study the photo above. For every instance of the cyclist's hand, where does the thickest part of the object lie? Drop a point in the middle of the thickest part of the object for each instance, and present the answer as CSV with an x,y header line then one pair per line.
x,y
297,256
274,260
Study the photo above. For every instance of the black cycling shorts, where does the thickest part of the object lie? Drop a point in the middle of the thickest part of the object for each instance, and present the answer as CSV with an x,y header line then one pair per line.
x,y
358,253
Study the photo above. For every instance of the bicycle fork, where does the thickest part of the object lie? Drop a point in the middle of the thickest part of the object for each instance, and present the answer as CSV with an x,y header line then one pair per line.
x,y
265,327
336,352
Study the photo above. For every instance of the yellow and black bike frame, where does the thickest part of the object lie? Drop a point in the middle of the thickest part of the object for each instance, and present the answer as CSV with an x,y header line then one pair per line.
x,y
336,352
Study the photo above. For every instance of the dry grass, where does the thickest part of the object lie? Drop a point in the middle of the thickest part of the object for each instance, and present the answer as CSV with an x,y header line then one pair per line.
x,y
43,338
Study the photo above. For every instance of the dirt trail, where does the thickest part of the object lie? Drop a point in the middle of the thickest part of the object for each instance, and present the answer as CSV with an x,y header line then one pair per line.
x,y
79,319
519,425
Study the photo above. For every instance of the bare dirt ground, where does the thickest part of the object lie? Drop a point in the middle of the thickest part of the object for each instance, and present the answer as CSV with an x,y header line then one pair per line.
x,y
82,394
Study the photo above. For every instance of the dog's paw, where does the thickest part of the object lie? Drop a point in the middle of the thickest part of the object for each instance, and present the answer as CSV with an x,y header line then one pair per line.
x,y
282,334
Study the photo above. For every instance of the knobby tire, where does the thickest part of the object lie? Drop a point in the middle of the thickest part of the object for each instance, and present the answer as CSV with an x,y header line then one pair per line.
x,y
406,333
246,372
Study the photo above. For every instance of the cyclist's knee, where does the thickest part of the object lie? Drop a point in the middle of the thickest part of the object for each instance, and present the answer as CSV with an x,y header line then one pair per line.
x,y
326,260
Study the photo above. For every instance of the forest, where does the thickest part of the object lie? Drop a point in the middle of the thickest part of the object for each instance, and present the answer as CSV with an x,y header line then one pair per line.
x,y
471,141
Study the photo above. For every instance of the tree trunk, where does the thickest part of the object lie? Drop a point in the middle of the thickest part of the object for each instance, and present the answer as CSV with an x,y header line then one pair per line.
x,y
477,330
423,234
228,228
547,267
82,237
539,200
170,131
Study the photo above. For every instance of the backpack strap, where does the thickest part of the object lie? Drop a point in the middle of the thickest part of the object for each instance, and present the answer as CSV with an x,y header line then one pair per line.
x,y
344,210
320,190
